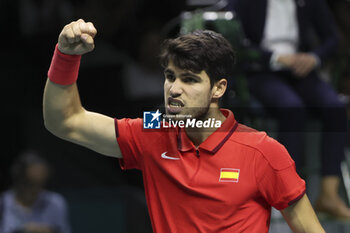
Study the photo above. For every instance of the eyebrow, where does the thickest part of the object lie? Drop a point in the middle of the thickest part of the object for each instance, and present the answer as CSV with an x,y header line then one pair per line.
x,y
167,70
186,73
190,74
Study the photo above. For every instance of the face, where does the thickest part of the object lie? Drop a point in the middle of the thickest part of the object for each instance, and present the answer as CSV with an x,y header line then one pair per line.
x,y
185,92
37,175
35,178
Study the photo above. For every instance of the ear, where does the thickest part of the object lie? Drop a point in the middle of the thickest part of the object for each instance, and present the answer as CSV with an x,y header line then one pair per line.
x,y
219,88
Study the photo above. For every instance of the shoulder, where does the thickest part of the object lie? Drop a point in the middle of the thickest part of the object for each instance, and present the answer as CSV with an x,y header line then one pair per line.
x,y
136,125
129,121
7,194
275,153
266,148
2,199
126,126
132,123
247,136
7,197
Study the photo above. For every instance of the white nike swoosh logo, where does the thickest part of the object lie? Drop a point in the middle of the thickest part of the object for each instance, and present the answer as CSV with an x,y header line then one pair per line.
x,y
164,156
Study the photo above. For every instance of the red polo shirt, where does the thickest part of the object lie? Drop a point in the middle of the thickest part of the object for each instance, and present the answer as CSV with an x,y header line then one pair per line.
x,y
227,184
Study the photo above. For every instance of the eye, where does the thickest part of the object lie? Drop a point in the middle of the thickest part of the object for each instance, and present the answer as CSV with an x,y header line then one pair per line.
x,y
189,80
170,77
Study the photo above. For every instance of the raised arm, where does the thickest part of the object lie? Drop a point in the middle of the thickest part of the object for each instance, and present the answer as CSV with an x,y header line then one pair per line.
x,y
301,217
64,115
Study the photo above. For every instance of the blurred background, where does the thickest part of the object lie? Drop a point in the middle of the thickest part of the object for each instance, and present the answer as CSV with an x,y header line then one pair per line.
x,y
120,78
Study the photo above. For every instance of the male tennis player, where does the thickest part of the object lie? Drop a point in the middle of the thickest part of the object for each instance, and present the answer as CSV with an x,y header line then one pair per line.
x,y
197,179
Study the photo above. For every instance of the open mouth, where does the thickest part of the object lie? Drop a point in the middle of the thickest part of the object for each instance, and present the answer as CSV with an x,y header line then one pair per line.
x,y
174,105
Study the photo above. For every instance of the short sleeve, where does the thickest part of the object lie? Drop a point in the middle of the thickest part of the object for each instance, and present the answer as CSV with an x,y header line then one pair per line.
x,y
128,133
276,176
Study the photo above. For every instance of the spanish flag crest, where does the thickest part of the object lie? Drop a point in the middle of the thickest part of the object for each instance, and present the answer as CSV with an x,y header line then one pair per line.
x,y
229,175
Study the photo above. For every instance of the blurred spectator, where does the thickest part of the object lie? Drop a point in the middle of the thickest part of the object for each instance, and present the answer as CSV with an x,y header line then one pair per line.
x,y
27,207
294,39
340,66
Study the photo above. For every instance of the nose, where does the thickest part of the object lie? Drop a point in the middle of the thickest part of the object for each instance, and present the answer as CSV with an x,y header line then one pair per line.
x,y
176,88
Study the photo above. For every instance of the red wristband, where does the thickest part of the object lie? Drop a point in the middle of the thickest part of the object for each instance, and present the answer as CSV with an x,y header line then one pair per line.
x,y
64,68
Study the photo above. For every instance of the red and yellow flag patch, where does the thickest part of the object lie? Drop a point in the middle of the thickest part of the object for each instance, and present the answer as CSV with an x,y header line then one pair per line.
x,y
229,175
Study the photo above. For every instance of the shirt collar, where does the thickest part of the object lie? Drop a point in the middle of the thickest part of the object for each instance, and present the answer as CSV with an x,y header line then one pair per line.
x,y
215,141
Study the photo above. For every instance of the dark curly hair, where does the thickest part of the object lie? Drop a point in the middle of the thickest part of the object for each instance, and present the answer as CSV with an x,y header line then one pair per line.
x,y
200,50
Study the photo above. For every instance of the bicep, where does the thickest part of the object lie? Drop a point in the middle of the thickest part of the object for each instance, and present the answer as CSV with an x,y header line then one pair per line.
x,y
94,131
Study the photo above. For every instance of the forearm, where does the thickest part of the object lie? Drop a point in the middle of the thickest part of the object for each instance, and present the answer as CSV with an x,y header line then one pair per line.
x,y
301,217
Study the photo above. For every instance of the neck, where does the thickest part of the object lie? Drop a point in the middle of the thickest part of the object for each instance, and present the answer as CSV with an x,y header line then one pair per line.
x,y
26,198
198,135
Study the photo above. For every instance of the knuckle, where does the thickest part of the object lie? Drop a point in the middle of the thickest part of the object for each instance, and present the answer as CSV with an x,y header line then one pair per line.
x,y
83,25
72,23
66,28
70,36
91,26
76,31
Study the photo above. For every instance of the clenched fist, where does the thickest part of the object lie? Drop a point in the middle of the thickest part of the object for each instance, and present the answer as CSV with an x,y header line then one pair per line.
x,y
77,38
